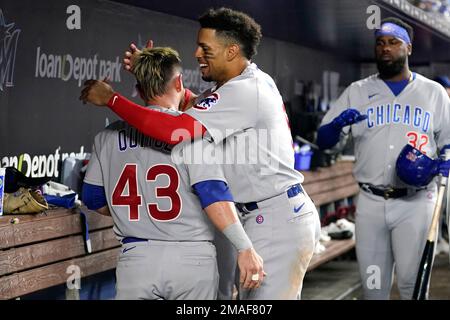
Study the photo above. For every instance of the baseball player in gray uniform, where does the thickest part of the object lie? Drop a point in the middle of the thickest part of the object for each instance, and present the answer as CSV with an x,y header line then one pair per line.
x,y
167,250
383,113
278,215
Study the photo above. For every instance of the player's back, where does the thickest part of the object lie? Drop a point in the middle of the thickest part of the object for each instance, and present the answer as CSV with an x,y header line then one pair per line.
x,y
148,195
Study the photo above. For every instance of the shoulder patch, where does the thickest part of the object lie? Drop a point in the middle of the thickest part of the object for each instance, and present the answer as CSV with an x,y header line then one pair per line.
x,y
208,102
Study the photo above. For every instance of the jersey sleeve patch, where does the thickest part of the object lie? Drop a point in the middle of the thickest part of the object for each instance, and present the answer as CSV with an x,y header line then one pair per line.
x,y
208,102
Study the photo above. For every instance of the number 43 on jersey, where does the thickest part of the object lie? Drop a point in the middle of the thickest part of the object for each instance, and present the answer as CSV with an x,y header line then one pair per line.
x,y
133,199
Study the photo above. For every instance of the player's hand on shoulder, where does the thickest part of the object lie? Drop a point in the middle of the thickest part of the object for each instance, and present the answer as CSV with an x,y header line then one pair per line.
x,y
96,92
132,54
348,117
251,269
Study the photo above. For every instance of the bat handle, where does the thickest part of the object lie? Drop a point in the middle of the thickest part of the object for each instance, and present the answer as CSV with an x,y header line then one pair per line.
x,y
424,273
437,209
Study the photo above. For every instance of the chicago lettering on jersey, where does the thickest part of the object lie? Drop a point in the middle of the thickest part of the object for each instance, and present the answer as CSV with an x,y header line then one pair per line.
x,y
130,138
398,114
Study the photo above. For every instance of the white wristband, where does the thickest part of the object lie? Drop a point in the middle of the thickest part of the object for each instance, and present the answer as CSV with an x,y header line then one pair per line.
x,y
236,234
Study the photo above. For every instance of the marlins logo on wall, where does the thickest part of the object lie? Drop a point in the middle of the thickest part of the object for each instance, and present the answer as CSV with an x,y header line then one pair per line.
x,y
208,102
8,46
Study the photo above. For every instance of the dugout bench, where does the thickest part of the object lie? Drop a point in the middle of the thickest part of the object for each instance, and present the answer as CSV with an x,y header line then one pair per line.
x,y
326,186
36,250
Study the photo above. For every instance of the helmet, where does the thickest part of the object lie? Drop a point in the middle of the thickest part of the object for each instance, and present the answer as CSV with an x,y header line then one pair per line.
x,y
14,179
415,168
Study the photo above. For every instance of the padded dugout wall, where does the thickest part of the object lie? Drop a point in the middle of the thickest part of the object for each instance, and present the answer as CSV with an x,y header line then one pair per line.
x,y
41,118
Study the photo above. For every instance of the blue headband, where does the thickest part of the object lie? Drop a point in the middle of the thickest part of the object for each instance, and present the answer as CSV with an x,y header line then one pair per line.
x,y
391,29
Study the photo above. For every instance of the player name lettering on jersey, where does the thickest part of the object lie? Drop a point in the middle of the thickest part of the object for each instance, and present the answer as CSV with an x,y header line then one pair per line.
x,y
130,138
398,114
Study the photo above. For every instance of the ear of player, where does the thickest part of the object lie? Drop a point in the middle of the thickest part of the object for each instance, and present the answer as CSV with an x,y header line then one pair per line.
x,y
417,169
348,117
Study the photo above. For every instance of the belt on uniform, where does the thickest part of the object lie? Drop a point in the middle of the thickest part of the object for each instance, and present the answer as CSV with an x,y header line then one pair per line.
x,y
132,239
388,192
246,208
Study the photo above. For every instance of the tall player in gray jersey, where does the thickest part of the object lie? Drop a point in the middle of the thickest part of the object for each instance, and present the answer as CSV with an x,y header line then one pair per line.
x,y
279,216
383,113
167,251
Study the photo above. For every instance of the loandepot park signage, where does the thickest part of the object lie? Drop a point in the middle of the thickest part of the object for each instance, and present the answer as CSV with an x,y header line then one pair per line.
x,y
41,165
66,67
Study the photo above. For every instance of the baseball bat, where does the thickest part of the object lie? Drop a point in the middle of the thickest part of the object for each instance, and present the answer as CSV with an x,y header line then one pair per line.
x,y
426,263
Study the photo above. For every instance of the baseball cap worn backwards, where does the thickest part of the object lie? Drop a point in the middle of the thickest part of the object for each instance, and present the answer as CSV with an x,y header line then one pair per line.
x,y
393,30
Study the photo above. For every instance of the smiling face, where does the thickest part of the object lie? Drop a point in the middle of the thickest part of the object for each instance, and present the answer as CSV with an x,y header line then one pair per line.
x,y
391,55
211,54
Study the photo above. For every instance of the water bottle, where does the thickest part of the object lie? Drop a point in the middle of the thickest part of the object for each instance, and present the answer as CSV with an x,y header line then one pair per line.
x,y
305,157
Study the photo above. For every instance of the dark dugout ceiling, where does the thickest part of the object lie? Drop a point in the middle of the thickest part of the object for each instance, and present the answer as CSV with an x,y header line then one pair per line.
x,y
337,26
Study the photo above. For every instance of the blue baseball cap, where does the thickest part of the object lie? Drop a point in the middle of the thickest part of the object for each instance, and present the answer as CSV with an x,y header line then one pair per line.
x,y
443,80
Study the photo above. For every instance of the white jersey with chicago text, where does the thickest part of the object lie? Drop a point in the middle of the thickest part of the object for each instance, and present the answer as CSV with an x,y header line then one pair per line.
x,y
148,195
419,115
246,107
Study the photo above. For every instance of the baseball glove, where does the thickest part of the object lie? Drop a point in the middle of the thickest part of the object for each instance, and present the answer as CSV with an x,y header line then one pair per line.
x,y
24,201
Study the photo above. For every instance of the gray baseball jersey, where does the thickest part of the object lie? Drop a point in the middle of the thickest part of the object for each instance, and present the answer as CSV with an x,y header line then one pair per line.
x,y
251,100
419,115
150,197
247,112
394,230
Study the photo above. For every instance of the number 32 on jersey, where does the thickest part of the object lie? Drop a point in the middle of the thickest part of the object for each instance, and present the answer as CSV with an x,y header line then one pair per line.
x,y
133,199
418,141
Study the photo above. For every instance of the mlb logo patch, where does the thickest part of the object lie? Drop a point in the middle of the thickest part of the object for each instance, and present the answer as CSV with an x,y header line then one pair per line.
x,y
208,102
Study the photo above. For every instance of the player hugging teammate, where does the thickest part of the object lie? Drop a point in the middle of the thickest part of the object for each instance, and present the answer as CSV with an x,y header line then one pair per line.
x,y
276,213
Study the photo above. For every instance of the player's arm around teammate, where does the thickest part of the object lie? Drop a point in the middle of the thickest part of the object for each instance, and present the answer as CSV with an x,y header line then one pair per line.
x,y
214,196
153,124
158,125
244,97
